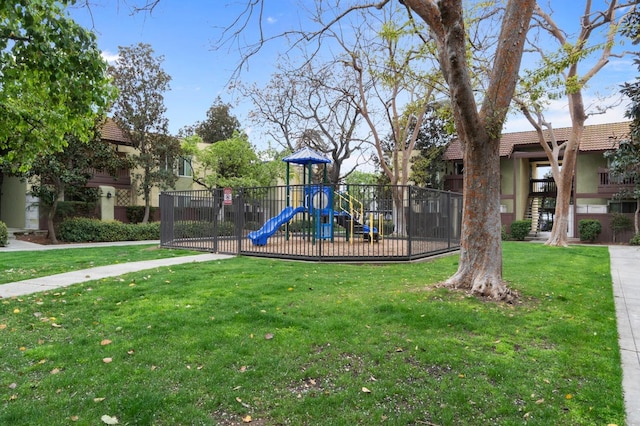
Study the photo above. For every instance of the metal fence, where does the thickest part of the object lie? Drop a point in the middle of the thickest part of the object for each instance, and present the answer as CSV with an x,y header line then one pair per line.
x,y
314,222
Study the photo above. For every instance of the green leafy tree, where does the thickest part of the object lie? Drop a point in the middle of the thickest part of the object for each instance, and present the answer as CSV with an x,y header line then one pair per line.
x,y
65,173
139,111
52,80
219,125
230,163
625,161
433,139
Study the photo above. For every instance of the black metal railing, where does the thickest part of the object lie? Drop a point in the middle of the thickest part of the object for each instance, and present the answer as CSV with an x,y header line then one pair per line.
x,y
314,222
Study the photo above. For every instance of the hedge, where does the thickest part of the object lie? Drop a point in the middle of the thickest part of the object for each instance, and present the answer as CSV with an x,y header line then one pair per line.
x,y
520,229
92,230
4,234
589,229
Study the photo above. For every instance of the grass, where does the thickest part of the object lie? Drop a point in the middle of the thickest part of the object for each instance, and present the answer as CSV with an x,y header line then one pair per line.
x,y
305,343
24,265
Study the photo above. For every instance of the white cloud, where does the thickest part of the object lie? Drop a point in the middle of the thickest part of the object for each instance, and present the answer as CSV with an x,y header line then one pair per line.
x,y
109,57
271,20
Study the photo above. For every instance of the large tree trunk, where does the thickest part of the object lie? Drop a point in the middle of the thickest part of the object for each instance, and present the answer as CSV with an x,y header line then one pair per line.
x,y
558,236
480,267
564,178
51,230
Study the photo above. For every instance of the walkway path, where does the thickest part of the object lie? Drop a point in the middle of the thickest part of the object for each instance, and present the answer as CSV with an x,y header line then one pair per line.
x,y
625,271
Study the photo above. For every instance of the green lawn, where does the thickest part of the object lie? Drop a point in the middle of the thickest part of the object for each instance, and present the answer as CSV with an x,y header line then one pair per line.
x,y
318,344
24,265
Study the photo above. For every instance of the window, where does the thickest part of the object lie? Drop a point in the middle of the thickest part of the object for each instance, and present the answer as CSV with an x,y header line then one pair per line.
x,y
622,206
184,167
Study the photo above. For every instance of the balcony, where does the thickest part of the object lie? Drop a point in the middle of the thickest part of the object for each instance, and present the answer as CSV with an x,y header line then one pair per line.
x,y
543,187
453,183
608,184
101,177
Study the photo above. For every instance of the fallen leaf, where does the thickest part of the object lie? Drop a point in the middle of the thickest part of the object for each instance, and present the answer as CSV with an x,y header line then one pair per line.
x,y
13,385
365,390
54,325
16,311
108,420
540,401
13,397
75,418
3,326
131,352
105,342
98,399
246,419
55,371
243,368
268,336
399,350
107,360
22,348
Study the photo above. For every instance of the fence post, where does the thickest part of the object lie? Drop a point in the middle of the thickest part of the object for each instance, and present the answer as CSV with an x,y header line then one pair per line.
x,y
238,206
449,221
409,215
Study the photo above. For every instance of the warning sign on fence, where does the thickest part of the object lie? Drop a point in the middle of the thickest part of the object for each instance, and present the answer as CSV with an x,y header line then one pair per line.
x,y
227,197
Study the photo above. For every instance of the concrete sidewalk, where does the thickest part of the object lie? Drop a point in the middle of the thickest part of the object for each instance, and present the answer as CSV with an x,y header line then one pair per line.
x,y
625,272
21,288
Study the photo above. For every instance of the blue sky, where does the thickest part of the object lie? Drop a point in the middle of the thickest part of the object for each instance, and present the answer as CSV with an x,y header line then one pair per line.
x,y
184,32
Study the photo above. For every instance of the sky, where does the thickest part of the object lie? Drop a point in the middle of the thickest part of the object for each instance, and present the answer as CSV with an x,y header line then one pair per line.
x,y
185,31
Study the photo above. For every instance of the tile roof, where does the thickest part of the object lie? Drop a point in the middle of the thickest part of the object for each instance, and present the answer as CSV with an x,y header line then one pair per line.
x,y
111,132
596,137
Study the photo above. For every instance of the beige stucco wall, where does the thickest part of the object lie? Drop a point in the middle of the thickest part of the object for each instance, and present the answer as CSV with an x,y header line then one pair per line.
x,y
587,178
14,202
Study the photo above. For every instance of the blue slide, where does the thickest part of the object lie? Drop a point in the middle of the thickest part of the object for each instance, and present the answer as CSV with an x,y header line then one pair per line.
x,y
259,237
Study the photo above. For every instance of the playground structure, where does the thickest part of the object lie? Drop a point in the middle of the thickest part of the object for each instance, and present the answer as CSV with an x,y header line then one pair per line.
x,y
317,207
314,221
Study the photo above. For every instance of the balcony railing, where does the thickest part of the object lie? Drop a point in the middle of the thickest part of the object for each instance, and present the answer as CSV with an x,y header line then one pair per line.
x,y
453,183
543,187
100,177
609,184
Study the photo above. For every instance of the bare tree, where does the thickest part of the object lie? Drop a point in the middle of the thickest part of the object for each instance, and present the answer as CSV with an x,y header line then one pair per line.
x,y
559,75
394,90
310,105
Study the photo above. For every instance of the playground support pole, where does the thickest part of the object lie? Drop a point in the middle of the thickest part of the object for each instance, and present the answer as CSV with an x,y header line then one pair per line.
x,y
288,196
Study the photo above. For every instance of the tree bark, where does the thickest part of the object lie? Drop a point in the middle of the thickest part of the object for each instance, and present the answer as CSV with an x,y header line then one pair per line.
x,y
480,267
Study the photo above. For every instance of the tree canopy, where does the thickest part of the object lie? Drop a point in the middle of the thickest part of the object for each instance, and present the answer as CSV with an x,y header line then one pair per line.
x,y
230,163
53,80
139,111
219,125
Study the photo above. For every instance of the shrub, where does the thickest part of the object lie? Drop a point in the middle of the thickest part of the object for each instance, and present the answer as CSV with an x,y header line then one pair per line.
x,y
589,229
619,223
135,214
635,241
4,234
93,230
520,229
504,235
200,229
252,225
226,228
67,209
387,227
